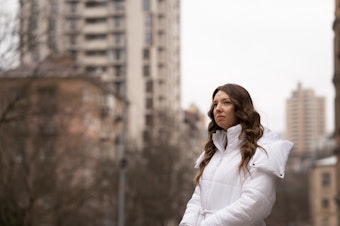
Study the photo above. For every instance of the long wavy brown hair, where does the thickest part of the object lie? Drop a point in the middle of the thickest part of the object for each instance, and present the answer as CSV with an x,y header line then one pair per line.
x,y
247,117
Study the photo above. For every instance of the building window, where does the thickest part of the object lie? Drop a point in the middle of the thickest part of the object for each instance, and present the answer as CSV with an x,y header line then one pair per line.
x,y
325,179
146,54
55,7
149,103
325,203
149,120
95,20
118,70
73,7
73,39
116,54
35,7
161,38
93,37
93,69
52,23
162,54
96,53
148,20
33,22
95,4
146,70
146,136
118,37
48,106
161,5
161,22
146,5
149,87
47,95
148,38
52,41
118,5
118,88
73,54
73,23
161,71
118,21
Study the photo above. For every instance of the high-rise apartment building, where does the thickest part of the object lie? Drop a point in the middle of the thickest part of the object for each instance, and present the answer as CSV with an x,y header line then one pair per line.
x,y
134,41
305,120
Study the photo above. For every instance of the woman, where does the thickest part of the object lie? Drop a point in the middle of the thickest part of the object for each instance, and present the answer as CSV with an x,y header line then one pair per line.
x,y
236,179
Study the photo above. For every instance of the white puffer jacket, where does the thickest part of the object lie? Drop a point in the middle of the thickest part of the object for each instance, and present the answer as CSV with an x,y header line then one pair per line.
x,y
226,197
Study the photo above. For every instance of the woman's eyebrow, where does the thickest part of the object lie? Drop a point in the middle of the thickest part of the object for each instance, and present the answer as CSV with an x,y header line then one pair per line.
x,y
222,99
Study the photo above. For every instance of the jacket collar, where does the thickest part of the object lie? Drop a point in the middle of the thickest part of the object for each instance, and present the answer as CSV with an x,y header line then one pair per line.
x,y
221,137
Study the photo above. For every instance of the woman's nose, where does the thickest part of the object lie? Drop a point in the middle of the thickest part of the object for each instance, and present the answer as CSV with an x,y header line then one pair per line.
x,y
218,107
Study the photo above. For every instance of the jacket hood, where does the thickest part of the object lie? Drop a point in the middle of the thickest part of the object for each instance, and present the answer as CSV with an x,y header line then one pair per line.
x,y
274,157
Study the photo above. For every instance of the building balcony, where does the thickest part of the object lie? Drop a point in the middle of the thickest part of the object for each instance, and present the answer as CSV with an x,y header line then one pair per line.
x,y
95,60
162,8
95,12
95,28
100,44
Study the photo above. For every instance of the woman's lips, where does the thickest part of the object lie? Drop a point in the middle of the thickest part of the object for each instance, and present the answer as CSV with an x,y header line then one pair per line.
x,y
219,117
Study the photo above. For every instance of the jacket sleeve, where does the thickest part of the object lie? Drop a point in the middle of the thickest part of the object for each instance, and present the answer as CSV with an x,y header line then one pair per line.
x,y
192,210
255,203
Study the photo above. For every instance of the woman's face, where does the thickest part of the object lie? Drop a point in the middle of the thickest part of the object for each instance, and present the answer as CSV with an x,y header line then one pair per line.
x,y
224,111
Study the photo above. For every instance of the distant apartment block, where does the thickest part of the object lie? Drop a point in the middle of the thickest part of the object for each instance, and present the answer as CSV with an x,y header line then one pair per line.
x,y
305,120
195,122
137,42
322,192
195,130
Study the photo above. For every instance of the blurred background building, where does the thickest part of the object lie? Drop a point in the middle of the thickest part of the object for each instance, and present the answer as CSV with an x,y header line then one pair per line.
x,y
336,82
305,120
58,133
322,190
133,41
306,128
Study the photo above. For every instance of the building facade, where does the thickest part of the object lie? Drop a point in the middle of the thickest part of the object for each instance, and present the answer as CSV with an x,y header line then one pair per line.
x,y
336,82
305,120
58,131
136,43
322,190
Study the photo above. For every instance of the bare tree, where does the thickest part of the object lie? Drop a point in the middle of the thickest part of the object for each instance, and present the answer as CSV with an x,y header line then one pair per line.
x,y
158,184
46,171
292,204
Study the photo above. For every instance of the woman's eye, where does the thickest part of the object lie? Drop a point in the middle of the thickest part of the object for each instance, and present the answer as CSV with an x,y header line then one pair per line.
x,y
227,102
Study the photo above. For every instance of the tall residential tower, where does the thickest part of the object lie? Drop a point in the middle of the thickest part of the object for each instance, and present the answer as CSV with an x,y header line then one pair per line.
x,y
305,124
137,41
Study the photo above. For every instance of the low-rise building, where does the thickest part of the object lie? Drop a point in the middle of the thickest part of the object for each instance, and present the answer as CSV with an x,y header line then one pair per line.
x,y
322,192
59,132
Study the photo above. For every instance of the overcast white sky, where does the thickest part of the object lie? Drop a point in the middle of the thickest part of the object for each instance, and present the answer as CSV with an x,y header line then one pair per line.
x,y
267,46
